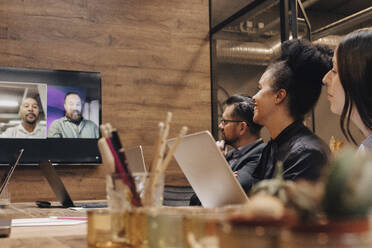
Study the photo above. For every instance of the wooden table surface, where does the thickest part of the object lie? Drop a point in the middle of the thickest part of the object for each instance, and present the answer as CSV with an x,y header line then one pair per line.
x,y
73,236
66,236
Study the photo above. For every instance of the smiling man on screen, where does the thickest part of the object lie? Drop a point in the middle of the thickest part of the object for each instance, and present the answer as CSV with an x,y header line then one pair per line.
x,y
29,111
73,125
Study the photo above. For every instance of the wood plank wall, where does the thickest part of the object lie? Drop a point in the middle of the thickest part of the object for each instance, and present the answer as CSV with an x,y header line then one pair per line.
x,y
153,56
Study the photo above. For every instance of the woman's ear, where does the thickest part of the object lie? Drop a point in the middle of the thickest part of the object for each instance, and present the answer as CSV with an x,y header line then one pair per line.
x,y
280,96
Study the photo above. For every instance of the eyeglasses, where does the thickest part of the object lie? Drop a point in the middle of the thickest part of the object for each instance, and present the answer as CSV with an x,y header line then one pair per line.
x,y
224,122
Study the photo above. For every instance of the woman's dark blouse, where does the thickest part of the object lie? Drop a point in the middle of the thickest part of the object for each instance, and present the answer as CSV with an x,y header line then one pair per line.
x,y
303,154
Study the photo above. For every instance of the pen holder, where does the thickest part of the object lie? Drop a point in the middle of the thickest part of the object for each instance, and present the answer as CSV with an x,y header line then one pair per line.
x,y
119,199
118,194
137,227
119,202
136,218
153,190
202,228
99,233
165,227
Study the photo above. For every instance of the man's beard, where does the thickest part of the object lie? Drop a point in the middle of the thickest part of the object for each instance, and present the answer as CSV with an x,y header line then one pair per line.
x,y
229,142
74,117
33,122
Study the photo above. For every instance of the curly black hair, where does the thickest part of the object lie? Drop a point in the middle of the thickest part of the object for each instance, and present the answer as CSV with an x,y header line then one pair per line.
x,y
300,70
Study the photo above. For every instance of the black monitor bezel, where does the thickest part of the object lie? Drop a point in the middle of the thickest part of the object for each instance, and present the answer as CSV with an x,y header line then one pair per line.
x,y
57,150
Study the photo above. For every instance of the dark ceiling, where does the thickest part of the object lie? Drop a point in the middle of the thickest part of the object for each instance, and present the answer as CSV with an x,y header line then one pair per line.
x,y
342,7
320,12
324,12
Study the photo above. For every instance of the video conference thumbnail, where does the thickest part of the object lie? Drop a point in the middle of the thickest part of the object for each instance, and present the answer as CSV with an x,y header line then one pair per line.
x,y
39,111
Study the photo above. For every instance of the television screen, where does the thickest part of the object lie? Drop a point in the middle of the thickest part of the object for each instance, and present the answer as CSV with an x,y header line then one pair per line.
x,y
52,114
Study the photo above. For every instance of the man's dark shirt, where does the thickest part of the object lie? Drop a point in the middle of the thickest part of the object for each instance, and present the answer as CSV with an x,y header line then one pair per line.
x,y
303,155
244,160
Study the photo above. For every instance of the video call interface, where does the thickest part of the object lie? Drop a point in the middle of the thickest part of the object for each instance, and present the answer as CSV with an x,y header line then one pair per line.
x,y
41,111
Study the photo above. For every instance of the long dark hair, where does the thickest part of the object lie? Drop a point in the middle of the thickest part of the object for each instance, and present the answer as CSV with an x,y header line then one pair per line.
x,y
299,71
354,62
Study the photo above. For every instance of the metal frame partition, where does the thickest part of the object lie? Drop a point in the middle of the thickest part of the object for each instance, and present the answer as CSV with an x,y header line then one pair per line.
x,y
288,23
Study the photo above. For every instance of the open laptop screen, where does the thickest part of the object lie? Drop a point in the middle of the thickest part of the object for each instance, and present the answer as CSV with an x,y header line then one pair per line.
x,y
207,171
8,173
59,189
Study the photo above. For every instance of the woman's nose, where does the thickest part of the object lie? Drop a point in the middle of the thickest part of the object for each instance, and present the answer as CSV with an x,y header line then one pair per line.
x,y
326,79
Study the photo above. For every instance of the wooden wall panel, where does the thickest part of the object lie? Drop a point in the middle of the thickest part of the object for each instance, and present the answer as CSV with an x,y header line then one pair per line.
x,y
153,56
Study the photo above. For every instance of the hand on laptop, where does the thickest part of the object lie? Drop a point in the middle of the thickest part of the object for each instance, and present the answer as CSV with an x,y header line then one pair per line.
x,y
221,145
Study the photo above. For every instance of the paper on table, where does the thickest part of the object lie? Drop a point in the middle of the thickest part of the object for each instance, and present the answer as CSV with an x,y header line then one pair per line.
x,y
51,221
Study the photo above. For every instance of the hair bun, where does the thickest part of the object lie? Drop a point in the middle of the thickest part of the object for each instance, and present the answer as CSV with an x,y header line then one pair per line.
x,y
307,61
301,68
324,50
292,50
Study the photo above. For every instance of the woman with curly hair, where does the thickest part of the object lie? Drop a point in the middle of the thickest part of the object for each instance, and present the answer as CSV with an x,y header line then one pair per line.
x,y
287,91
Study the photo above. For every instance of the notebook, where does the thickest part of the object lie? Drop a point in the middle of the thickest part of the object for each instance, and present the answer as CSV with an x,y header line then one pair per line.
x,y
136,163
207,171
5,224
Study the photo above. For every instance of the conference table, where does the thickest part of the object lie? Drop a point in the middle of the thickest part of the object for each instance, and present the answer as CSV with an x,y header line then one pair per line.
x,y
75,235
56,236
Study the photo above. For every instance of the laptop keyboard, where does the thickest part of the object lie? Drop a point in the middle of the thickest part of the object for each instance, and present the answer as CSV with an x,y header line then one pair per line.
x,y
91,205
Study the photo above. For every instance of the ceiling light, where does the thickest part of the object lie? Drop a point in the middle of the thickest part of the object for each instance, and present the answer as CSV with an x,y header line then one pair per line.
x,y
8,103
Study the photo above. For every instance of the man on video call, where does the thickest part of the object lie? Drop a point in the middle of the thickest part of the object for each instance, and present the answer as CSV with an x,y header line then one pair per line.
x,y
73,125
239,131
29,111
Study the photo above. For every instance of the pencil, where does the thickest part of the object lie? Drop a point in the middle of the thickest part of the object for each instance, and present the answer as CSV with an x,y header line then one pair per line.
x,y
157,146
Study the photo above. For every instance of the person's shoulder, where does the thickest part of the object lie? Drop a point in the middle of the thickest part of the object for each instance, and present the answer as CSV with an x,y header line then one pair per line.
x,y
260,145
57,121
89,122
312,140
40,127
256,150
55,126
309,143
10,132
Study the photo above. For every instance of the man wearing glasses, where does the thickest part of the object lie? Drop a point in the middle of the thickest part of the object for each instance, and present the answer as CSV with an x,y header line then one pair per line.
x,y
243,135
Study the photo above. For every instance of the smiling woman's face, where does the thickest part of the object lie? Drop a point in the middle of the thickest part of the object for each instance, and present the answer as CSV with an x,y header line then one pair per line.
x,y
264,99
336,93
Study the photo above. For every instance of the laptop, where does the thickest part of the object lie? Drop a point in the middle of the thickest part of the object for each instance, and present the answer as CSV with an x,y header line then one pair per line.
x,y
60,191
8,173
136,163
5,224
207,171
5,227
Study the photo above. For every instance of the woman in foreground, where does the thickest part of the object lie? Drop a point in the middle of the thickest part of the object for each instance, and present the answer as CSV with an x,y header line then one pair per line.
x,y
349,85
